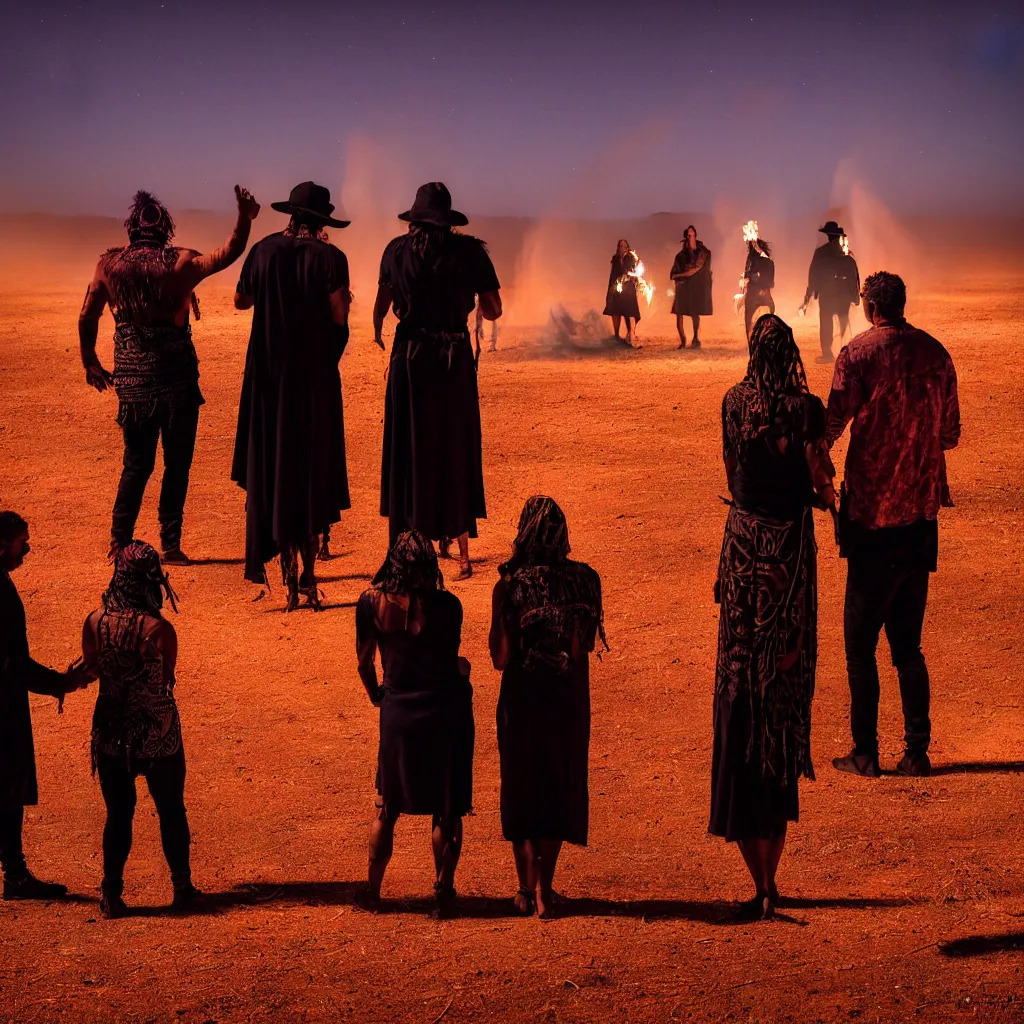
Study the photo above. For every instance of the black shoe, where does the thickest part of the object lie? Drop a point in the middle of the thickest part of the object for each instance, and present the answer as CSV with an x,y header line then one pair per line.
x,y
915,765
175,556
695,343
113,907
865,765
28,887
444,902
188,897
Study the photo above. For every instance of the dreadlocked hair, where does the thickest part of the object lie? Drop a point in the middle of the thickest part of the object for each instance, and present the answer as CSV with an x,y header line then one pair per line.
x,y
148,220
139,583
429,242
775,368
410,567
306,225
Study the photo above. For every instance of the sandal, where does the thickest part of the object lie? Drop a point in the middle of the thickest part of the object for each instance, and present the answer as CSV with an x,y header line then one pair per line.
x,y
526,902
465,571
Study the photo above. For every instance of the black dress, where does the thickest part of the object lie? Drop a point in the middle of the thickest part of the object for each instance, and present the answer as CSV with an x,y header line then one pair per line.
x,y
432,477
425,759
543,713
622,303
767,636
693,293
290,444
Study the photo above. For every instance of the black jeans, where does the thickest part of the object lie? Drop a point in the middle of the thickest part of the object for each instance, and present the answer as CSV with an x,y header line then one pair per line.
x,y
880,594
176,429
12,856
165,777
826,325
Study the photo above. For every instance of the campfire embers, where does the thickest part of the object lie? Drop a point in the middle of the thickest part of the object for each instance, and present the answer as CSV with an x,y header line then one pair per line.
x,y
638,275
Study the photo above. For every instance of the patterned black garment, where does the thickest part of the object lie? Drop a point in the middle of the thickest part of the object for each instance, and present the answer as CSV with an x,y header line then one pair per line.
x,y
154,358
767,590
552,614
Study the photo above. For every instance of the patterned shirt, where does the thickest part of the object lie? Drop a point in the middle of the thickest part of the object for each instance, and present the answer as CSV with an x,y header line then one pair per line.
x,y
898,386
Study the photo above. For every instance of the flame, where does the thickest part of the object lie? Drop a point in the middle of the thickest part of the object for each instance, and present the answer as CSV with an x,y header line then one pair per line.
x,y
638,275
750,232
844,244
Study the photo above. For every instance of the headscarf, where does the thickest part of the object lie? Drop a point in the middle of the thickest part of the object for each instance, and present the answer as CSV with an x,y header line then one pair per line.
x,y
139,582
553,595
774,370
543,537
148,220
411,566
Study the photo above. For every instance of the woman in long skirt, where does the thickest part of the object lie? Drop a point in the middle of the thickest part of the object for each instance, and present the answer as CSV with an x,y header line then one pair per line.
x,y
621,302
425,760
778,469
432,471
546,615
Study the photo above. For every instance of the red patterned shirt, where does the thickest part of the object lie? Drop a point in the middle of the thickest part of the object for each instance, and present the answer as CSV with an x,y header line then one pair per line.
x,y
898,386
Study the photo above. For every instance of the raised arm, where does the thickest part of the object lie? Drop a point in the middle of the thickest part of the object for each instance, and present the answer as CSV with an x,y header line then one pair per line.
x,y
212,262
96,299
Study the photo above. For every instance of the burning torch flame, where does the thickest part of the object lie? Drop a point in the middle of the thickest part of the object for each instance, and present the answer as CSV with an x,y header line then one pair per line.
x,y
750,232
638,275
844,244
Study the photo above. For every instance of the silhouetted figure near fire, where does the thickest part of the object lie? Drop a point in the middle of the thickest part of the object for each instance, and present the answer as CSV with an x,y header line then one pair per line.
x,y
425,757
759,275
834,280
897,388
432,478
149,286
691,276
773,438
290,443
546,615
20,675
621,302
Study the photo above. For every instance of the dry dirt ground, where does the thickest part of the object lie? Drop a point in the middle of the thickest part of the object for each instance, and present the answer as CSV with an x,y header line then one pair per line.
x,y
909,892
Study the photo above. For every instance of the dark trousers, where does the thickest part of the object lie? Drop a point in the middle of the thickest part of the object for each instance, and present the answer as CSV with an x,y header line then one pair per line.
x,y
12,856
880,594
176,430
826,326
752,302
165,777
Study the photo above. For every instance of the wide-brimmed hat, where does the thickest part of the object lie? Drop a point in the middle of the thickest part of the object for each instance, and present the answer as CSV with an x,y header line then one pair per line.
x,y
433,205
311,198
832,229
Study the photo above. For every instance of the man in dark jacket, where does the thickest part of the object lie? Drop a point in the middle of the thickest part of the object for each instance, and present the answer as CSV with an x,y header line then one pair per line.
x,y
19,676
834,281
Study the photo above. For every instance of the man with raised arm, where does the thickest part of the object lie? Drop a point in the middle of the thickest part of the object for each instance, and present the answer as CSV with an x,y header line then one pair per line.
x,y
149,286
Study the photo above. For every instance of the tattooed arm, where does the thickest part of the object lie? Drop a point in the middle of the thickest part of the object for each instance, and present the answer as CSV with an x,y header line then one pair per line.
x,y
96,299
212,262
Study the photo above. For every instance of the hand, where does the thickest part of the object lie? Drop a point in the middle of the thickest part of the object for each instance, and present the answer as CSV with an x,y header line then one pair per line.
x,y
97,377
78,677
379,342
247,205
378,697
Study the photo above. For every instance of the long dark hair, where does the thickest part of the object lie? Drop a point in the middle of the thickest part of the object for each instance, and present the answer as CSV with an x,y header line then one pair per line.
x,y
775,368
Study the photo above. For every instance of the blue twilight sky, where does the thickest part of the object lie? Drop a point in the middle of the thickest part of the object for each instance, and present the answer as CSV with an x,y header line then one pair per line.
x,y
523,108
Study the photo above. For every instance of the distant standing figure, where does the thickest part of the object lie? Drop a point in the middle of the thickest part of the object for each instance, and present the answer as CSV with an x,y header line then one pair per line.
x,y
290,443
621,302
773,440
897,388
432,478
20,675
135,728
425,759
546,615
691,275
759,274
149,286
834,280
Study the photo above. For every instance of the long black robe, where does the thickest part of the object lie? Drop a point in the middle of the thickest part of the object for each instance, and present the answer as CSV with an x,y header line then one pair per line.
x,y
432,477
19,676
290,444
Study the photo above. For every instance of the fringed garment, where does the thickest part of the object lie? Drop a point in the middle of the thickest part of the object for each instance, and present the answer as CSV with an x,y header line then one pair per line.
x,y
136,715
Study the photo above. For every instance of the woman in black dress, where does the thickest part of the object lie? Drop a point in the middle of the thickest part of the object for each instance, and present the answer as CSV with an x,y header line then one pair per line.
x,y
773,438
759,280
432,472
425,760
546,615
691,276
621,301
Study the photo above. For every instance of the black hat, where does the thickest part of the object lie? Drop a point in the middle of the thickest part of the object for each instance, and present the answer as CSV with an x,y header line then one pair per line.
x,y
832,229
433,205
311,198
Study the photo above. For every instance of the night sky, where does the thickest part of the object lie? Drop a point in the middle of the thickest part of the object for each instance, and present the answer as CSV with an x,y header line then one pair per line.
x,y
522,108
